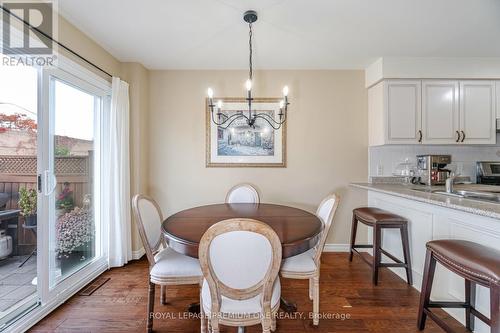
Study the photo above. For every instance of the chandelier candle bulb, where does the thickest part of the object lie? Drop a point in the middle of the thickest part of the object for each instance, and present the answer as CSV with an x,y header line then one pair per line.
x,y
210,93
219,104
248,85
285,91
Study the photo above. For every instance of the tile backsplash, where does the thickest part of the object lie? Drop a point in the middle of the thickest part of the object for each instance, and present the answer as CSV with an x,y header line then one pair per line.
x,y
384,159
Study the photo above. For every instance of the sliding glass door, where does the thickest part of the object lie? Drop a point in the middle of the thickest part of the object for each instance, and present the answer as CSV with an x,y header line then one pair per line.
x,y
71,177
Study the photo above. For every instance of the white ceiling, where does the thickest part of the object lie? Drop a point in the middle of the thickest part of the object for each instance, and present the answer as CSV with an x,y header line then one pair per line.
x,y
290,34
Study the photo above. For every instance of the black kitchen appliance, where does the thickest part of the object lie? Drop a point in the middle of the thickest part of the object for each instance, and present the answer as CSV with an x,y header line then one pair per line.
x,y
488,173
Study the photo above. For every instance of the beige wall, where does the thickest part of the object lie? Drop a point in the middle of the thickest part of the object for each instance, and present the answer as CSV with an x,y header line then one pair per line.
x,y
76,40
327,140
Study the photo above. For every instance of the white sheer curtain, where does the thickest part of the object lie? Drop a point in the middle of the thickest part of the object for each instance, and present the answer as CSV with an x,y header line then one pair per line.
x,y
118,177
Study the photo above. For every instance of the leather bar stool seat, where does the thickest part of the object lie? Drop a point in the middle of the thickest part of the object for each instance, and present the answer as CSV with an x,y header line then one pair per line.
x,y
478,261
477,264
380,219
372,215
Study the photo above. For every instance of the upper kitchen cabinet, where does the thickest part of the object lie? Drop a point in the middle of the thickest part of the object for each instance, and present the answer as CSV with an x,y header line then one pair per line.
x,y
440,112
477,112
432,112
498,100
394,112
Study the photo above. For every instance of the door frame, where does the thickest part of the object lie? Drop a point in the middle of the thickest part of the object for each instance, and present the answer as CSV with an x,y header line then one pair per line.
x,y
83,81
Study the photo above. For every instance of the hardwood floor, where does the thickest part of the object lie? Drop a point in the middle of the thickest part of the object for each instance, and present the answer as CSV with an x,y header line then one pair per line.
x,y
346,290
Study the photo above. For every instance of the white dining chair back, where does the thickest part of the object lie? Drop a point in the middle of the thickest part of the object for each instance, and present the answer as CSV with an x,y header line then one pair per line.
x,y
149,218
240,260
166,266
307,265
242,193
326,212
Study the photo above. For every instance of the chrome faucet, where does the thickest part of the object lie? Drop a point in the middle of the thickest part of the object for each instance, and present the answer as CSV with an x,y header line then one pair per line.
x,y
449,183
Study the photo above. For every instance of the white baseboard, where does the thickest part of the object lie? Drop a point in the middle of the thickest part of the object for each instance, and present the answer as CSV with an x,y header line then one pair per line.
x,y
336,248
136,255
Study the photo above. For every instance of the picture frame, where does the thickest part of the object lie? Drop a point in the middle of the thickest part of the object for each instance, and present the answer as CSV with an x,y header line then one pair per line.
x,y
240,145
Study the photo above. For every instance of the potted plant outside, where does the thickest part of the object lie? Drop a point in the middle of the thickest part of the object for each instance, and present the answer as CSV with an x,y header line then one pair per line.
x,y
27,205
74,236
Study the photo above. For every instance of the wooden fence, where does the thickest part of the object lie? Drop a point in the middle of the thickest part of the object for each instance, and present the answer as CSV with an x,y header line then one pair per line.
x,y
21,171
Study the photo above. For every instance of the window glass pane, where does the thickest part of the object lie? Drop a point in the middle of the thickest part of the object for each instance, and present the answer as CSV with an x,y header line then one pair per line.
x,y
18,196
74,240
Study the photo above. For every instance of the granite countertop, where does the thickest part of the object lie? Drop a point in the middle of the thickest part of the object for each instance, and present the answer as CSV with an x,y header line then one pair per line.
x,y
424,194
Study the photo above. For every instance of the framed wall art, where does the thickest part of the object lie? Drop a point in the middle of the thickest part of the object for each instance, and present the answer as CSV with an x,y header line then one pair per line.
x,y
236,143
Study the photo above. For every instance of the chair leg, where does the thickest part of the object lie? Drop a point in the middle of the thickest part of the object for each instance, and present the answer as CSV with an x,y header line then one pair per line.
x,y
203,319
470,298
406,252
377,235
214,324
316,300
495,309
311,289
273,322
425,293
354,228
266,321
163,295
151,304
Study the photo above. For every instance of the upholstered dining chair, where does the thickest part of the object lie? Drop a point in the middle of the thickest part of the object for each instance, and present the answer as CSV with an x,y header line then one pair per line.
x,y
307,265
166,267
241,287
242,193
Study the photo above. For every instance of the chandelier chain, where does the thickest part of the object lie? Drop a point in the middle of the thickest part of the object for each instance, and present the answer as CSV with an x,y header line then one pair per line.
x,y
250,74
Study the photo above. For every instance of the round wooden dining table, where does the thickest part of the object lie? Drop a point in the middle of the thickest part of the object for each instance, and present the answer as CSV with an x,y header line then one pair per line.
x,y
297,229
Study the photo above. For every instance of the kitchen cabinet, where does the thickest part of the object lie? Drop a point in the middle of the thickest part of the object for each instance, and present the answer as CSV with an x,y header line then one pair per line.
x,y
440,112
395,112
477,112
498,99
432,112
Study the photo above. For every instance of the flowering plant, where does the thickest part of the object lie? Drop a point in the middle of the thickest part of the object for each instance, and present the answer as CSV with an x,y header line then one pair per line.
x,y
65,198
74,229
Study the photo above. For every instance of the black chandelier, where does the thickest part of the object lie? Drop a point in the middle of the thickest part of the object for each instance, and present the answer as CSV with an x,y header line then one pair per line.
x,y
225,121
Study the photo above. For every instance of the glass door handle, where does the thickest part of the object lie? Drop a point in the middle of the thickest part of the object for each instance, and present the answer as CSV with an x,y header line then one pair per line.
x,y
50,182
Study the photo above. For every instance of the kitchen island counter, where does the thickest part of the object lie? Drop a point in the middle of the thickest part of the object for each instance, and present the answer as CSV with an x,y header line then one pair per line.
x,y
424,194
433,216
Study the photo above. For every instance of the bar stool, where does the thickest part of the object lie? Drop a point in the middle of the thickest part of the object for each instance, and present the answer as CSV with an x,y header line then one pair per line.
x,y
380,219
477,264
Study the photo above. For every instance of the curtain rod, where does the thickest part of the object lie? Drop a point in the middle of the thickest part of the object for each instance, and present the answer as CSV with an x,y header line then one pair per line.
x,y
55,41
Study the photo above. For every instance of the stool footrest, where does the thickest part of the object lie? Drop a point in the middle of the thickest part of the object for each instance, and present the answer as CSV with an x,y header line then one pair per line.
x,y
361,256
479,315
448,305
393,258
459,305
438,321
391,264
362,246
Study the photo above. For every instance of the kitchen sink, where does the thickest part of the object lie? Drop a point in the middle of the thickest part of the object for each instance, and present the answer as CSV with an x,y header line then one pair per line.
x,y
473,195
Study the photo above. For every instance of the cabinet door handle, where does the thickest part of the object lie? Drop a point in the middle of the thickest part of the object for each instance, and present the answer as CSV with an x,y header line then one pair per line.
x,y
458,137
420,136
463,136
